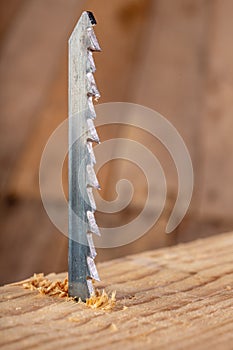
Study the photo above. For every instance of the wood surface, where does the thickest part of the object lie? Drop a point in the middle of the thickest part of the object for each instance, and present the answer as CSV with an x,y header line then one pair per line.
x,y
179,297
173,56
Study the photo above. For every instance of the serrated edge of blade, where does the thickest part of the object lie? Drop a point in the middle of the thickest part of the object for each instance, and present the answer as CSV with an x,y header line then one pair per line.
x,y
93,273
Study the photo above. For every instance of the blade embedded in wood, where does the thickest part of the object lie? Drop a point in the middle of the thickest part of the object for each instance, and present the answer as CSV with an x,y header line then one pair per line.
x,y
82,178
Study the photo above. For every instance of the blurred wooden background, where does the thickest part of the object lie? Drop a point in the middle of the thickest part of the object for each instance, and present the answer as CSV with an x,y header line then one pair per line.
x,y
174,56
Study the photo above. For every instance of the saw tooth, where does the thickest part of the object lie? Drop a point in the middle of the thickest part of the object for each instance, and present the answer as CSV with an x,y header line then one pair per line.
x,y
91,246
92,223
90,287
92,269
91,86
91,198
90,152
90,63
91,176
90,108
91,132
92,42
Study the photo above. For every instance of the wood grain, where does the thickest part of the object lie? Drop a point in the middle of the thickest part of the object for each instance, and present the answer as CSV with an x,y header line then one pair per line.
x,y
163,53
173,298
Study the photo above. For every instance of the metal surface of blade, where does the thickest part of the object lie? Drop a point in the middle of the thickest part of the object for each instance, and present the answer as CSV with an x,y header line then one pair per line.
x,y
82,88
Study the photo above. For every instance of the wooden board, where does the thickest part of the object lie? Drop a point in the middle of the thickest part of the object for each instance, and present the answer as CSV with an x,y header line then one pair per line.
x,y
173,298
166,50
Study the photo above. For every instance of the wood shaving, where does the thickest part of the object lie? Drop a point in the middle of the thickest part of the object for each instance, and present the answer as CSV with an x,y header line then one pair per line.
x,y
113,327
44,286
98,300
102,300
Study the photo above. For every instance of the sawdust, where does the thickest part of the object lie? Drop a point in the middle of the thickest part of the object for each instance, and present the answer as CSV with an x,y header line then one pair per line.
x,y
102,300
98,300
47,287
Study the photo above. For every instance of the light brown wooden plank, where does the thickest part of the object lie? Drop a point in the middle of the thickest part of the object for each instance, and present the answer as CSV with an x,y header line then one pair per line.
x,y
173,298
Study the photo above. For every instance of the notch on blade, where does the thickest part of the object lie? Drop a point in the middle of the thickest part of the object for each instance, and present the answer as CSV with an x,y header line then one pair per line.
x,y
92,269
91,153
90,62
92,226
91,86
91,177
91,198
91,132
91,246
92,42
90,108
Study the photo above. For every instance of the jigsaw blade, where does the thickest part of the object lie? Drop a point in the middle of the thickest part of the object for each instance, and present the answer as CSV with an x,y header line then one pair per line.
x,y
82,178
